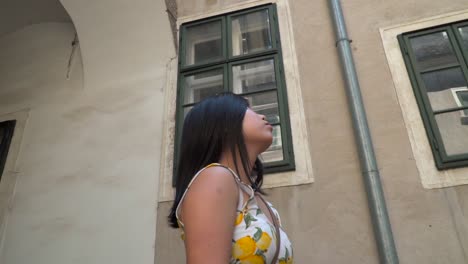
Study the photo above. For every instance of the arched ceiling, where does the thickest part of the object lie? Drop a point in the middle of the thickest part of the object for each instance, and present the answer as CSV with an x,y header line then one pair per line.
x,y
16,14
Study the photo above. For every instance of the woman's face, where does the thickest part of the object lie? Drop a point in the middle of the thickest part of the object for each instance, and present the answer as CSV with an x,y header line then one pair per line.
x,y
257,131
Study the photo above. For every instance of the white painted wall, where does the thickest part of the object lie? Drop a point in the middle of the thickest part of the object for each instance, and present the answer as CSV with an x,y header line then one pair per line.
x,y
88,168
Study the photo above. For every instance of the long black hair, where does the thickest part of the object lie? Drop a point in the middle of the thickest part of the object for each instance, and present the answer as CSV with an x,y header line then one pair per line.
x,y
212,126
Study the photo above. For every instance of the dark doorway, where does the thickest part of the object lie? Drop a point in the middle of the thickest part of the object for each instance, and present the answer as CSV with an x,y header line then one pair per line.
x,y
6,133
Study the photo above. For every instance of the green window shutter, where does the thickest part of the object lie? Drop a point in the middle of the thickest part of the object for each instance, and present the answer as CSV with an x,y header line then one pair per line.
x,y
436,60
238,52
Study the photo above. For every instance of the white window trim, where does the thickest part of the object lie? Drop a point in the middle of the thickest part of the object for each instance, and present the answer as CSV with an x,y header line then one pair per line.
x,y
457,100
10,171
303,173
463,115
430,176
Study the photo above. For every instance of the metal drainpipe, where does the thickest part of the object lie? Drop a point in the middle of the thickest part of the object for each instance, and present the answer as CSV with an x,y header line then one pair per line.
x,y
370,172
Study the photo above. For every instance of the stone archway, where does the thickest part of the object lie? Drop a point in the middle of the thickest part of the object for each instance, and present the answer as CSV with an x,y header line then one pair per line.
x,y
88,169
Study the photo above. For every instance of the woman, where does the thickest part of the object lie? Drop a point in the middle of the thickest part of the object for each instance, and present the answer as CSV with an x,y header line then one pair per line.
x,y
218,202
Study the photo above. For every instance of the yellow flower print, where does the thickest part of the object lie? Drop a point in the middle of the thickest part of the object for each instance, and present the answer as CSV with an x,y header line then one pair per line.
x,y
263,239
239,218
253,259
243,248
264,242
286,261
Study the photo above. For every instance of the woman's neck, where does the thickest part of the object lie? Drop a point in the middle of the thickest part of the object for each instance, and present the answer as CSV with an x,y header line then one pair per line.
x,y
227,159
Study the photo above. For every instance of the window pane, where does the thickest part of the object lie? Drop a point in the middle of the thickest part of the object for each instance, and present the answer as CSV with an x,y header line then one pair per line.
x,y
251,33
439,86
454,132
203,43
201,85
254,76
463,99
265,104
275,151
464,35
433,50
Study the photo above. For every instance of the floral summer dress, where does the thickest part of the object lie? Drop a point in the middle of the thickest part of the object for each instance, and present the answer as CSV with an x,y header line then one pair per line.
x,y
254,237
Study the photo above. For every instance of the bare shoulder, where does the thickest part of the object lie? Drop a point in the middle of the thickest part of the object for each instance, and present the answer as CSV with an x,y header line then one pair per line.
x,y
209,211
214,184
215,180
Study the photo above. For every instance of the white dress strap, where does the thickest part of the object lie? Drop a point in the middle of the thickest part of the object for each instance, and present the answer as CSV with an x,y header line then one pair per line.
x,y
242,186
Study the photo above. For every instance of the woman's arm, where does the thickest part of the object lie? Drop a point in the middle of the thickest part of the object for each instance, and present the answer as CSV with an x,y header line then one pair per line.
x,y
208,213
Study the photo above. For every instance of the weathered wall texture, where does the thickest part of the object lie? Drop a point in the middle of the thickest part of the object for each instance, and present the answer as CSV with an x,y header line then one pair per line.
x,y
87,172
328,220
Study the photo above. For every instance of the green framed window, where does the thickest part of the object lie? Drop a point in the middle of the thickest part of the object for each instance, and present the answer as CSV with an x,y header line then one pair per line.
x,y
238,52
437,62
6,133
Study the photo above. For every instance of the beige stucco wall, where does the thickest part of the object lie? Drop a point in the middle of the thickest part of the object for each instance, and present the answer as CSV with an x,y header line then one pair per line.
x,y
88,164
329,220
